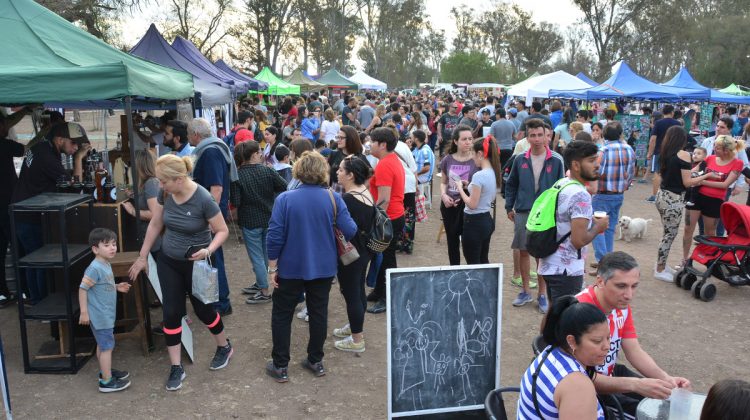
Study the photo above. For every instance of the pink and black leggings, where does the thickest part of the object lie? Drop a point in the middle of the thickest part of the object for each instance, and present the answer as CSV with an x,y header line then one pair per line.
x,y
176,279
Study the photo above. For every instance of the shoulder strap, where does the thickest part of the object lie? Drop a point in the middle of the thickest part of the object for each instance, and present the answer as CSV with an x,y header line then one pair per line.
x,y
557,197
534,378
333,201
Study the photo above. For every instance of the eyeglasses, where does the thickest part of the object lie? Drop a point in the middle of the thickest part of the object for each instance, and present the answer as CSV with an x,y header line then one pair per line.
x,y
341,137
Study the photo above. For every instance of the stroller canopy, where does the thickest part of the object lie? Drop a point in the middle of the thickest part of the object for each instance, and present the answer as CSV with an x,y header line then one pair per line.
x,y
736,217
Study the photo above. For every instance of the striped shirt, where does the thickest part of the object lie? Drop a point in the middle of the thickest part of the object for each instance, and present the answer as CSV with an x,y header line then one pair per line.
x,y
617,167
554,369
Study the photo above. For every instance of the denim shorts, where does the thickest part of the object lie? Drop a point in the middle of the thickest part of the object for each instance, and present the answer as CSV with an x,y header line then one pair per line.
x,y
105,338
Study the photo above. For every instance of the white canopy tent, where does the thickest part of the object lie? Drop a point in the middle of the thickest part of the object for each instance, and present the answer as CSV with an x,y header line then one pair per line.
x,y
539,86
487,86
367,82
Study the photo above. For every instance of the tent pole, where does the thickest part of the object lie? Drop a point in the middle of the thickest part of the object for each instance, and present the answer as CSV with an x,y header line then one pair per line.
x,y
133,171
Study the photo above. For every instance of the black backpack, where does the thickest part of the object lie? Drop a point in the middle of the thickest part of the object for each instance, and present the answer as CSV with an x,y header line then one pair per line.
x,y
381,232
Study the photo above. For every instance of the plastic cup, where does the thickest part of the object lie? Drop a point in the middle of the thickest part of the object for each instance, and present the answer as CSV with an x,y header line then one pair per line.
x,y
679,404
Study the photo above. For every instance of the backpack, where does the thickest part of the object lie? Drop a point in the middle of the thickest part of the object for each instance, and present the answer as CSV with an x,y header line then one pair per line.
x,y
541,226
381,231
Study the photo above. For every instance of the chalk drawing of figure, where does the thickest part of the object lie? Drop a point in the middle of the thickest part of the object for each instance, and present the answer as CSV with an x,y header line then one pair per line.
x,y
422,310
483,332
441,367
413,348
465,360
460,285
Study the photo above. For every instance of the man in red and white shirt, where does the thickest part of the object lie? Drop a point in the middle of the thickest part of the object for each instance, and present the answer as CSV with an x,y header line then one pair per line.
x,y
617,278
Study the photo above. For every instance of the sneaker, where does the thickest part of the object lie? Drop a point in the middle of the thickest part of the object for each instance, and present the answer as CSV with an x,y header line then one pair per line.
x,y
651,199
689,203
534,275
664,276
280,375
252,290
670,270
372,297
522,299
377,308
117,374
348,344
302,314
176,376
113,385
6,299
518,281
259,298
222,356
316,368
542,303
342,332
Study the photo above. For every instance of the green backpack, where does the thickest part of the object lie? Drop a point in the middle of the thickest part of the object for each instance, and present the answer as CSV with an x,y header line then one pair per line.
x,y
541,226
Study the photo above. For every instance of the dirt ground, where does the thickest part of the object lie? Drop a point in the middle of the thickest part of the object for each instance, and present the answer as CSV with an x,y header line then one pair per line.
x,y
704,342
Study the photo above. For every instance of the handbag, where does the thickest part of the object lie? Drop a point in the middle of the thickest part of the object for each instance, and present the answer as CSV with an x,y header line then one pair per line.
x,y
419,208
347,252
205,281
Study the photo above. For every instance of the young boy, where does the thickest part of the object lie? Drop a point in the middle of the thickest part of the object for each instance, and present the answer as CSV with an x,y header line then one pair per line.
x,y
283,167
699,167
97,299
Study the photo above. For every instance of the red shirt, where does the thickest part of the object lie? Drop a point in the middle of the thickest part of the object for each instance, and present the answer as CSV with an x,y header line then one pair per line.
x,y
725,170
390,173
620,327
243,135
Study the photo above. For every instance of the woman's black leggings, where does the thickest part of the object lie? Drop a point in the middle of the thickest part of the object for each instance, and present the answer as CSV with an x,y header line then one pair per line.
x,y
352,283
453,220
476,237
176,279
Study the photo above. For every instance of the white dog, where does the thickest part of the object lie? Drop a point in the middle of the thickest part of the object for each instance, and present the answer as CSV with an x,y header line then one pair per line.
x,y
632,228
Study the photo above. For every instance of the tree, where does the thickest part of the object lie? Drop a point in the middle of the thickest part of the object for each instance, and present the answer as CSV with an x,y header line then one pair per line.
x,y
198,22
608,21
266,33
575,57
467,67
435,48
94,15
331,31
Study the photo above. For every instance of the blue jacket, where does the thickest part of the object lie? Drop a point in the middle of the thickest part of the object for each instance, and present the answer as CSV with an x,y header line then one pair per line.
x,y
519,190
308,126
300,232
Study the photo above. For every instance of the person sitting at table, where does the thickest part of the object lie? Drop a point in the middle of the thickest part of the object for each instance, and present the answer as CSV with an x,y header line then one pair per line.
x,y
727,400
618,276
558,383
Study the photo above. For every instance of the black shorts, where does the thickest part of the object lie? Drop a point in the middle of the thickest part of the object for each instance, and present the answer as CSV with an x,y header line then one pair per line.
x,y
708,206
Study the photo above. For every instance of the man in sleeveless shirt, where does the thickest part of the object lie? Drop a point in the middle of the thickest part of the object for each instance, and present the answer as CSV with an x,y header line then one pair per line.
x,y
617,278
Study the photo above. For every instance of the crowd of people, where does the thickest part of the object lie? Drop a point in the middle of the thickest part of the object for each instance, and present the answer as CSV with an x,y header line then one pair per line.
x,y
312,175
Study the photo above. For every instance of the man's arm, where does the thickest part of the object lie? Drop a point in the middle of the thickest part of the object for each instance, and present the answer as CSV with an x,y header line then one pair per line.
x,y
648,387
384,197
581,235
651,145
646,365
216,191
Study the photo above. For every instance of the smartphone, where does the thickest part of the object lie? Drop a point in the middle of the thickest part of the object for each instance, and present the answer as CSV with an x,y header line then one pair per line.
x,y
454,177
192,249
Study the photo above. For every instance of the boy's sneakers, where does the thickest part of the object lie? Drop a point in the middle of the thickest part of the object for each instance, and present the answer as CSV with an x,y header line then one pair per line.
x,y
117,374
651,199
252,290
522,299
316,368
342,332
176,376
278,374
542,303
302,314
518,281
222,356
348,344
113,385
258,298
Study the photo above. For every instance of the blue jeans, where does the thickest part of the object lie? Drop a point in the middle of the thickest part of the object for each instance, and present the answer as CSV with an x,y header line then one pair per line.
x,y
255,243
218,261
611,203
29,240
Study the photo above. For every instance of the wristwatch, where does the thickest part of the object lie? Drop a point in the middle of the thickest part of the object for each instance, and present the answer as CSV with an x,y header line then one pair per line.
x,y
272,270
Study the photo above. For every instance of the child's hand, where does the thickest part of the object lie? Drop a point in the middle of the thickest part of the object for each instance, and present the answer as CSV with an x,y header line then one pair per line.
x,y
84,320
123,287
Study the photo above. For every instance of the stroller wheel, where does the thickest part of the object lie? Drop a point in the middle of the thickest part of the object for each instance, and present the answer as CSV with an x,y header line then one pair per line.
x,y
696,287
708,292
688,279
678,277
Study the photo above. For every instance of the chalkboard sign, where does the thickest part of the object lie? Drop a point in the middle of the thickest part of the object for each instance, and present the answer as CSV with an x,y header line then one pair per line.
x,y
443,338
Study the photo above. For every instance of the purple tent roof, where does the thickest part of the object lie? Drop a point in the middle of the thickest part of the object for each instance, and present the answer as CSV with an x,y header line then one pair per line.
x,y
188,50
155,48
255,84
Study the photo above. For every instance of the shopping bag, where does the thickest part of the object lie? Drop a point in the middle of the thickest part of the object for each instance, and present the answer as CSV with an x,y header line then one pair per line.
x,y
419,209
205,281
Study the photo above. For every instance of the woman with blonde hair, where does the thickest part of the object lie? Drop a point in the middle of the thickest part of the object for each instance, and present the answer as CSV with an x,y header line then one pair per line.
x,y
711,193
188,216
377,120
303,257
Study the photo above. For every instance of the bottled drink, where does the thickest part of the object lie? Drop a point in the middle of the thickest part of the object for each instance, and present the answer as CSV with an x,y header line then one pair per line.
x,y
100,177
62,184
109,191
77,187
89,187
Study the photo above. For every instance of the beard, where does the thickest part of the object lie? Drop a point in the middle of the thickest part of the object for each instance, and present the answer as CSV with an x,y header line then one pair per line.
x,y
590,176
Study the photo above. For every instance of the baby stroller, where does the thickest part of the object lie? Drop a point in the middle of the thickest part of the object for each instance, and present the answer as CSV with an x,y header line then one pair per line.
x,y
726,258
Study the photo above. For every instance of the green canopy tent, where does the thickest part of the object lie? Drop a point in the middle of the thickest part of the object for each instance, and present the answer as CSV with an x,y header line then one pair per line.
x,y
307,84
48,59
735,90
336,80
276,85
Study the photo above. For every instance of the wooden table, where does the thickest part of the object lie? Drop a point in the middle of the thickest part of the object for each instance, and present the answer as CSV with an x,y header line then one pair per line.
x,y
142,320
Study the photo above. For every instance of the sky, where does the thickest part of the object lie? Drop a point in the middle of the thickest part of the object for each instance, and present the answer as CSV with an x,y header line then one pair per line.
x,y
560,12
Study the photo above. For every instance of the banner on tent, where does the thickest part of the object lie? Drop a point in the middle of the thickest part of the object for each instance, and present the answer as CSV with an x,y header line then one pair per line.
x,y
639,123
707,113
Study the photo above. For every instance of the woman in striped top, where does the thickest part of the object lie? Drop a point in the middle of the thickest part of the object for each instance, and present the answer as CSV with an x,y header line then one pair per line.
x,y
559,382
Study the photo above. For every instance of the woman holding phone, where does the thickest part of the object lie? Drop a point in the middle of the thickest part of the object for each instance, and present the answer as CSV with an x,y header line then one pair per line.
x,y
188,216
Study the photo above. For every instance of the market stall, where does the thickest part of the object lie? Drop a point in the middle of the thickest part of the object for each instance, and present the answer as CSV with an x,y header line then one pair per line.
x,y
366,82
306,84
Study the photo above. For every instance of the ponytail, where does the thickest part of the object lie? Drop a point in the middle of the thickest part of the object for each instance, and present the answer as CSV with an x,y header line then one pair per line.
x,y
488,147
570,317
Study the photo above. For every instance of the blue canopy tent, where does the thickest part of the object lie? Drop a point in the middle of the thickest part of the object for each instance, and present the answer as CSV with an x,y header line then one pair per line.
x,y
153,47
581,75
188,50
683,79
625,83
255,84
